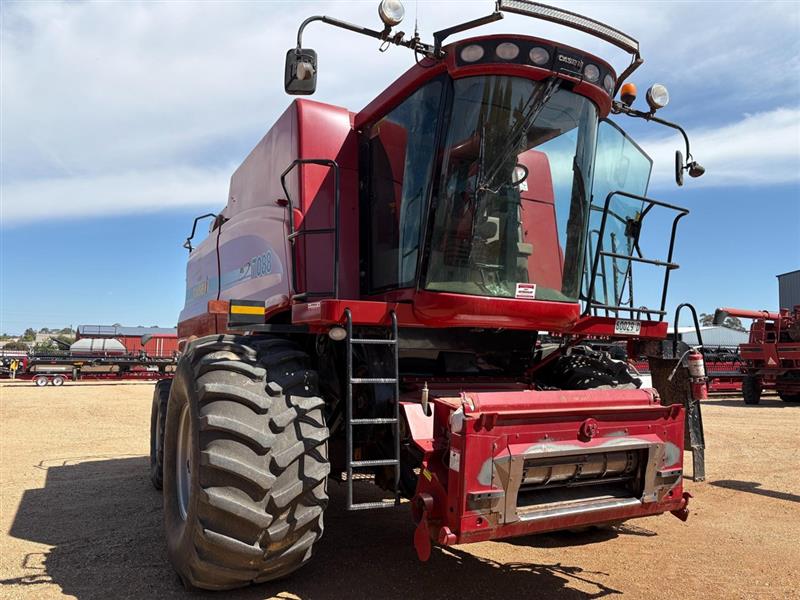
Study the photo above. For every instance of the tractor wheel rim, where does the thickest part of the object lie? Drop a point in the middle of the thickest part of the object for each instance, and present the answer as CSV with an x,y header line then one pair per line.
x,y
183,475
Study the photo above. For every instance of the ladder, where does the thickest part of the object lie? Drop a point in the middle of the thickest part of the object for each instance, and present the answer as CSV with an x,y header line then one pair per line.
x,y
351,422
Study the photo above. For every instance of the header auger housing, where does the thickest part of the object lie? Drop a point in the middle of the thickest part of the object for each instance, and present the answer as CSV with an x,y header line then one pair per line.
x,y
400,294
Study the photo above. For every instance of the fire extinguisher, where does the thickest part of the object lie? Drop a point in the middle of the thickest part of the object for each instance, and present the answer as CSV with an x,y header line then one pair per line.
x,y
697,375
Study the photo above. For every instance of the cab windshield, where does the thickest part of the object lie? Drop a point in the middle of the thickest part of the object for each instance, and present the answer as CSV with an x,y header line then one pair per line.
x,y
493,236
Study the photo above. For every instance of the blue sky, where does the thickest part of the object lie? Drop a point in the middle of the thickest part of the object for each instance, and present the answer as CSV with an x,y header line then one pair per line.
x,y
121,121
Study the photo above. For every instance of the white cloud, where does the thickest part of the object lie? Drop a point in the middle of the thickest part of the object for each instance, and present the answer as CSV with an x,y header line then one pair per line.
x,y
758,149
114,100
114,193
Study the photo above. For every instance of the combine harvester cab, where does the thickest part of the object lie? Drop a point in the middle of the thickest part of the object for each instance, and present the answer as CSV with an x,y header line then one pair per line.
x,y
401,294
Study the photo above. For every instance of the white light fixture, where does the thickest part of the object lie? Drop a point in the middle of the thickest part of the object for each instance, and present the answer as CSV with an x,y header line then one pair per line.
x,y
608,83
539,56
472,53
391,12
507,51
657,96
592,73
337,334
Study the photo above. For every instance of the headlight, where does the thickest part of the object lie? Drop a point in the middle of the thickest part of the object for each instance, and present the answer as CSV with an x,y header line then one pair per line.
x,y
391,12
457,420
507,51
472,53
608,84
592,73
539,56
657,96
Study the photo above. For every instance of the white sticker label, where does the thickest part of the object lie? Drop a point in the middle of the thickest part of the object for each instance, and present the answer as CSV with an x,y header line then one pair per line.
x,y
455,460
627,327
523,187
526,291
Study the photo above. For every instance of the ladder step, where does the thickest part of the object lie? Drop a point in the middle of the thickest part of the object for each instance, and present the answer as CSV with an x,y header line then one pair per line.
x,y
370,505
373,421
373,380
372,341
385,462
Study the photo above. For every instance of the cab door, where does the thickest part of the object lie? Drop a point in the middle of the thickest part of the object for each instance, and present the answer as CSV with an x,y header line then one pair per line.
x,y
620,166
398,155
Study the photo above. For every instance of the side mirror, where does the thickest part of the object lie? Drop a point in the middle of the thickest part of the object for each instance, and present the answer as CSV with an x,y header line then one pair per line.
x,y
300,74
678,167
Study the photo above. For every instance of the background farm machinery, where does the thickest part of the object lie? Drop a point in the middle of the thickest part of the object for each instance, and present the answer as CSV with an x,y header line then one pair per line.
x,y
99,353
771,357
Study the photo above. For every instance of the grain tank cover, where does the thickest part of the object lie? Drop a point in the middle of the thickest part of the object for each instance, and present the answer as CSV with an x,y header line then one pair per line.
x,y
97,346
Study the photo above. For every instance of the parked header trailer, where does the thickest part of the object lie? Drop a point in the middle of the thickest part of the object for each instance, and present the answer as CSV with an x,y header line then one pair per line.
x,y
369,301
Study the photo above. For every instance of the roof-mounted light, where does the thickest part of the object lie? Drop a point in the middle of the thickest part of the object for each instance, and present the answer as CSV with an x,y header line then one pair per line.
x,y
539,56
657,96
391,12
507,51
472,53
592,73
570,19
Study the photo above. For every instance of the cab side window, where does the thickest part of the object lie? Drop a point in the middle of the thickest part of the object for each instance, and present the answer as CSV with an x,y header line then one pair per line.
x,y
401,149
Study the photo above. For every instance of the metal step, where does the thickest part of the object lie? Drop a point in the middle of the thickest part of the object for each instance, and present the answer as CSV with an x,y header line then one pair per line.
x,y
373,380
371,505
386,462
374,341
377,421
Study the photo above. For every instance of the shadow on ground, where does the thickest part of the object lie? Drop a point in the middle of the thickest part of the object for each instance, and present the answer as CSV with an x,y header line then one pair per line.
x,y
753,487
104,520
765,403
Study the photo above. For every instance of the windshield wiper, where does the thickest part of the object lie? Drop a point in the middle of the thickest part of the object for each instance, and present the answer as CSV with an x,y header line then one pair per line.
x,y
530,113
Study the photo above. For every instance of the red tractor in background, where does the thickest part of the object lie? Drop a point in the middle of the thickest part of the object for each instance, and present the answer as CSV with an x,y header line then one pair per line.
x,y
771,357
372,303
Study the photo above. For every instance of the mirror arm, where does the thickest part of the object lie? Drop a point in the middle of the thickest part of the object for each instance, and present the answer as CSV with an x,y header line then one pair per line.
x,y
188,243
414,43
620,108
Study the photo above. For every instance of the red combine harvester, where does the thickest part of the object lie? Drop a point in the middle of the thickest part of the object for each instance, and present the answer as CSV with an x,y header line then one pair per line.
x,y
771,357
368,305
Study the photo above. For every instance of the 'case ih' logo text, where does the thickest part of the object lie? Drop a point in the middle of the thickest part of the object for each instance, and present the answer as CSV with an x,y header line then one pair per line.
x,y
573,62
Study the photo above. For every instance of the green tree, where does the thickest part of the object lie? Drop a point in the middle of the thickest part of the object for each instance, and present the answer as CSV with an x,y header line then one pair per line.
x,y
730,322
15,346
28,336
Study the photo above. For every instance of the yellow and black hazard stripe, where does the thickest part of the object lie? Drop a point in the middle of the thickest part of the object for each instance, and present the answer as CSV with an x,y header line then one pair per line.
x,y
246,312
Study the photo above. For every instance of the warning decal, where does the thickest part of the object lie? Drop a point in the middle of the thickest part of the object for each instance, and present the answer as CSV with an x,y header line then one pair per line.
x,y
526,291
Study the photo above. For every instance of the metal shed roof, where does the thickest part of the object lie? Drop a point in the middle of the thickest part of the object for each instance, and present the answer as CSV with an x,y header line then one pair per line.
x,y
119,330
714,336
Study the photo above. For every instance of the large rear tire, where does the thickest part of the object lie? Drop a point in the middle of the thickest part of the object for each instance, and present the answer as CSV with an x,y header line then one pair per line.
x,y
245,462
751,390
786,397
158,411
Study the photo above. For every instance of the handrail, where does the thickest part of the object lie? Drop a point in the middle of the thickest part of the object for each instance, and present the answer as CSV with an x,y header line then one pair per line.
x,y
325,162
669,265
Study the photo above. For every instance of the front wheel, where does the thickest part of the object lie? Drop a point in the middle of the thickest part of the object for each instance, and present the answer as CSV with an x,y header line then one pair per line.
x,y
245,462
751,390
158,411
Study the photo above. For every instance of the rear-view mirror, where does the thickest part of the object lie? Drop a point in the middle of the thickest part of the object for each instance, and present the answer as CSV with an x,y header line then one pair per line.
x,y
678,167
300,74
